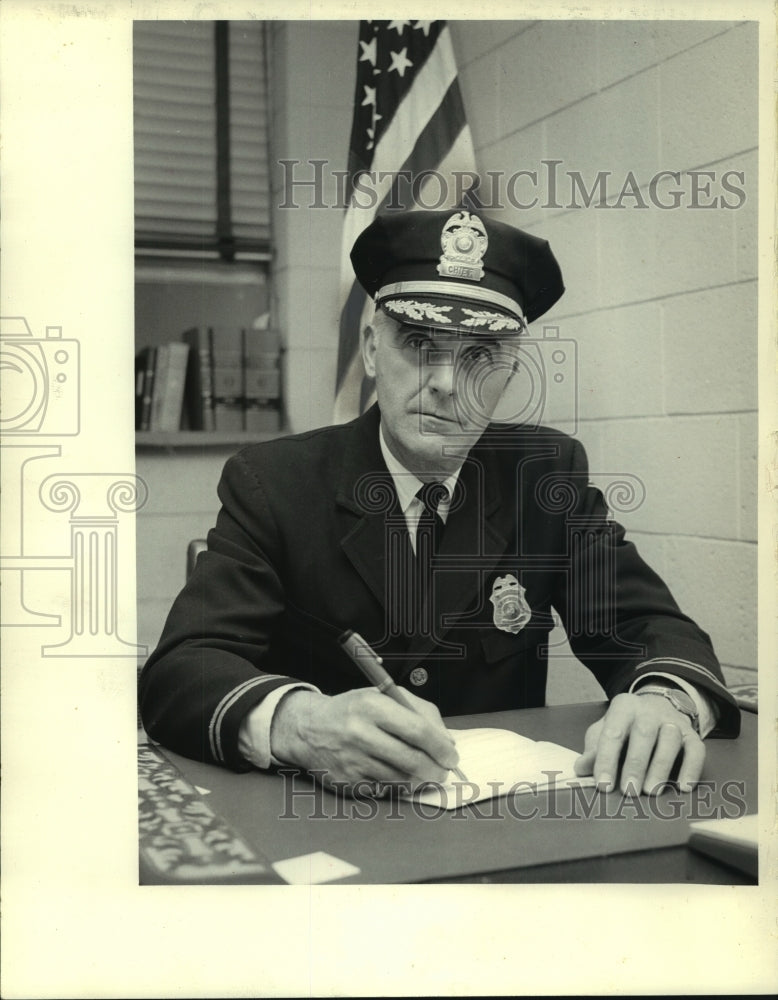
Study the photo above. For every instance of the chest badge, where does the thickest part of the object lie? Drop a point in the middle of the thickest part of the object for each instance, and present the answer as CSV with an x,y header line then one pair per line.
x,y
511,611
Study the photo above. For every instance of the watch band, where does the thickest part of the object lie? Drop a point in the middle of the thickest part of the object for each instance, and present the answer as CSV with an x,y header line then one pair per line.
x,y
680,701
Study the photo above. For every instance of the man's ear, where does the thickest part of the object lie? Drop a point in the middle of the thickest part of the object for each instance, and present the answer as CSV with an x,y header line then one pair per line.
x,y
514,369
368,346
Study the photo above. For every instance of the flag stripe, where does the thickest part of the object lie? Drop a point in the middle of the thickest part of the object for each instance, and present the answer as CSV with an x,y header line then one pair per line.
x,y
419,107
425,130
436,139
438,136
388,88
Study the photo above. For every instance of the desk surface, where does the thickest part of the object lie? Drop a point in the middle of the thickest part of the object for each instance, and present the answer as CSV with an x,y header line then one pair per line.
x,y
559,836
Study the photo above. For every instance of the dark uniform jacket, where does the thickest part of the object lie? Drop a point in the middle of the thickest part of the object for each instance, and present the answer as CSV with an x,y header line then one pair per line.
x,y
310,542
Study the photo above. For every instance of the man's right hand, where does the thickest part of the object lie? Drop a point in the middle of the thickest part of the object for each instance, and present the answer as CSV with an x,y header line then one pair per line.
x,y
362,736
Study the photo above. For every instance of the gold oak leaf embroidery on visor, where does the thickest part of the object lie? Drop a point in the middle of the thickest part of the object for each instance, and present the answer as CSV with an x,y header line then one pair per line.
x,y
491,320
420,310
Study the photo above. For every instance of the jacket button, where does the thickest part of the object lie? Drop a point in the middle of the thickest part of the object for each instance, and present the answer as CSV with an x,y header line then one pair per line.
x,y
419,676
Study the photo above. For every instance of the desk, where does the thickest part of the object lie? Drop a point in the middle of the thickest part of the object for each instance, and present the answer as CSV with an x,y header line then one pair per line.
x,y
560,836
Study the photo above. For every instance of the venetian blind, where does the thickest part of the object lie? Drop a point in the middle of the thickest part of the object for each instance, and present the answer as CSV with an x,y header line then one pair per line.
x,y
201,138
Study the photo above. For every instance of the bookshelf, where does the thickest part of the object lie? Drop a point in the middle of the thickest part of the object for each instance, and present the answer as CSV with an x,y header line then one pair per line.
x,y
172,297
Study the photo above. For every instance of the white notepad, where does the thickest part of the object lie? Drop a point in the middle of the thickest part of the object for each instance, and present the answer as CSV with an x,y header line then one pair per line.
x,y
497,762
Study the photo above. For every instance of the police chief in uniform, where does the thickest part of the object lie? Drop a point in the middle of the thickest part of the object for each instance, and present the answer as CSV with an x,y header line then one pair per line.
x,y
441,537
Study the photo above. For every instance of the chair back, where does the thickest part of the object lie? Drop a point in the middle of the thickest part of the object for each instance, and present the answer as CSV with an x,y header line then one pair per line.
x,y
193,550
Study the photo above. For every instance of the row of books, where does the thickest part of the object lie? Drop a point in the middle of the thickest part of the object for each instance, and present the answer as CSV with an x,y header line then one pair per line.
x,y
213,379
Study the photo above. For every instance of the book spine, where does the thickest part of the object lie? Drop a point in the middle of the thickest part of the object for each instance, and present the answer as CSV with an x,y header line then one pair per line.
x,y
262,382
206,388
160,386
199,391
150,356
169,417
140,374
227,376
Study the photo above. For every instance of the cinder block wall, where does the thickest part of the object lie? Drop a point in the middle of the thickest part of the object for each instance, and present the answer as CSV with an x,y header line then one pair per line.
x,y
660,302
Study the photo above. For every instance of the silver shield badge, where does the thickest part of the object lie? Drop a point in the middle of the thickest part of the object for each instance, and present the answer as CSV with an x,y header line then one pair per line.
x,y
463,242
511,611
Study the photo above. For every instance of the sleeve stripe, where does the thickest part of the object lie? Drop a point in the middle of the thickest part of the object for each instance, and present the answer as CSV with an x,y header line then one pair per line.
x,y
214,728
671,661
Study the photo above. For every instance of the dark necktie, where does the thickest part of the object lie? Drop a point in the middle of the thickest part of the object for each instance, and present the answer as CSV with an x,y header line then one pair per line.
x,y
430,528
428,536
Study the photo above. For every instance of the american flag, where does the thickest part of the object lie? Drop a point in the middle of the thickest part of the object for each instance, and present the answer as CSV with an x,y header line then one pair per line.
x,y
408,119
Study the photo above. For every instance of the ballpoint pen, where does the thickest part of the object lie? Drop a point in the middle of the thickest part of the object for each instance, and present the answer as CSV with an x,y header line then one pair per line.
x,y
369,662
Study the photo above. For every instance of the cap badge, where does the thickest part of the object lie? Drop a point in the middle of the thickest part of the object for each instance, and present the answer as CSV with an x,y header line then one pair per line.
x,y
464,242
511,611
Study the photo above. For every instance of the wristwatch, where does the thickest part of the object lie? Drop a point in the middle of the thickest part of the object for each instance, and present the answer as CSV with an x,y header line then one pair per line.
x,y
680,700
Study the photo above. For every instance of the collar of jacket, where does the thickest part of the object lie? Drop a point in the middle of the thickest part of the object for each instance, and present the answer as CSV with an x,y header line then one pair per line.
x,y
473,542
363,471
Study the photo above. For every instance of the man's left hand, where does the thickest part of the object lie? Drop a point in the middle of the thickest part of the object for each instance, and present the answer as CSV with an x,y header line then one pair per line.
x,y
651,733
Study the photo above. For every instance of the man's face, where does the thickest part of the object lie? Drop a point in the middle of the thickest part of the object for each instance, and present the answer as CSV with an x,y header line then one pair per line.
x,y
437,389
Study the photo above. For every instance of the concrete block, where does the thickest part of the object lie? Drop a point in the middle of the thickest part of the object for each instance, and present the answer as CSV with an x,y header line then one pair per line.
x,y
544,389
590,434
626,255
316,64
193,486
650,253
309,309
739,675
709,99
620,366
748,475
746,217
549,68
688,466
574,238
518,199
305,236
715,583
694,248
612,132
489,119
528,79
626,48
309,387
312,95
474,40
710,341
311,134
161,550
